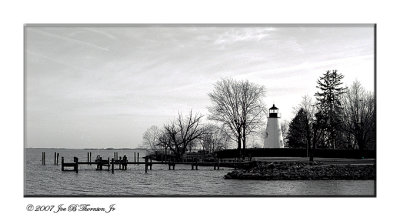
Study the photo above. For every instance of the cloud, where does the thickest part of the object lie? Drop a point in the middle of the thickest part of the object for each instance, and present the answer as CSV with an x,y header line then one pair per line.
x,y
114,82
235,35
70,39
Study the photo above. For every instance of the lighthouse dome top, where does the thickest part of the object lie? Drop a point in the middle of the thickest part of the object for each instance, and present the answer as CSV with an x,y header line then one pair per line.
x,y
273,107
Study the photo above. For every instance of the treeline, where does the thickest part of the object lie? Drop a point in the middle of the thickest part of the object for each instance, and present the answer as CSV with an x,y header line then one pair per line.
x,y
236,112
294,152
339,118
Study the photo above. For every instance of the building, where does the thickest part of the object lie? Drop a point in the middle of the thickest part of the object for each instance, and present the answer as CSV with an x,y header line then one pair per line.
x,y
273,137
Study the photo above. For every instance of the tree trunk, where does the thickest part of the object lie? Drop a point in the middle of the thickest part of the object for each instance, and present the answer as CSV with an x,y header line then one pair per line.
x,y
239,143
314,142
239,140
244,138
361,143
308,144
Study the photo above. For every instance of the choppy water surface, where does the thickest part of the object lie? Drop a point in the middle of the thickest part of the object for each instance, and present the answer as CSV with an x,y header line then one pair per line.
x,y
50,180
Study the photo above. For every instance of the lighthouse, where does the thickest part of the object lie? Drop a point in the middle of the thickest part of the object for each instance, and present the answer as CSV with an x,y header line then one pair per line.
x,y
273,137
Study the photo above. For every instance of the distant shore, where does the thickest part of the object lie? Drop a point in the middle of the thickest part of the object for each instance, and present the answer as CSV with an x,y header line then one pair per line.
x,y
66,148
304,171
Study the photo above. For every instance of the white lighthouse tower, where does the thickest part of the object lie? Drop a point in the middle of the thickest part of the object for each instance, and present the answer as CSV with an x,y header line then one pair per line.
x,y
273,137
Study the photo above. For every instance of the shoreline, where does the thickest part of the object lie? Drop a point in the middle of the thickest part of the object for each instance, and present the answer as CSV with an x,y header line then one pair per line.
x,y
296,170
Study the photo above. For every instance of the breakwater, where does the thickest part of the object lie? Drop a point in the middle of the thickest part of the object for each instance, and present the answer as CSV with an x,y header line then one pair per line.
x,y
304,171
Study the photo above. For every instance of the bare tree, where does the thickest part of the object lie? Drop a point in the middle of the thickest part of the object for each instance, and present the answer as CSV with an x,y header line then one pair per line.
x,y
252,108
360,114
285,129
151,138
180,133
238,106
214,138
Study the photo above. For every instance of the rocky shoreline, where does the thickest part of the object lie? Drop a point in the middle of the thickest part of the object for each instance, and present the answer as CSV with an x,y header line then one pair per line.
x,y
304,171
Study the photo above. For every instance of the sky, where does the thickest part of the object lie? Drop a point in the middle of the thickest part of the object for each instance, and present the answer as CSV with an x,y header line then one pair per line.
x,y
103,86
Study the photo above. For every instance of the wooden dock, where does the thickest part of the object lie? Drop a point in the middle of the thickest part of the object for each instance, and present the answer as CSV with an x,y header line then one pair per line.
x,y
122,164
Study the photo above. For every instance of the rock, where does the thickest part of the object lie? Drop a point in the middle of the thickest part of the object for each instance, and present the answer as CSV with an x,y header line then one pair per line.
x,y
302,171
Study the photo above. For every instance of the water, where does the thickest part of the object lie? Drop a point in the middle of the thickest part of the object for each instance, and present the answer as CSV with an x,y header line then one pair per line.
x,y
50,180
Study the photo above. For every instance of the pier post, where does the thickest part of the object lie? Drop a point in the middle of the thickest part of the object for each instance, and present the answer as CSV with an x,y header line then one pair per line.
x,y
151,164
43,158
55,158
100,164
112,165
90,157
138,157
76,164
145,164
119,163
197,164
218,164
62,163
134,156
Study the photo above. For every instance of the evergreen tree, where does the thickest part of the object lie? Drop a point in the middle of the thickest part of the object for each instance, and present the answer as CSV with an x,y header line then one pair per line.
x,y
297,134
330,107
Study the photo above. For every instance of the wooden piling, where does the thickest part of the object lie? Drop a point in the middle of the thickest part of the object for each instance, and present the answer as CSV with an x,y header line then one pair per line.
x,y
76,164
151,165
55,158
119,163
44,158
108,160
58,154
145,164
134,156
62,163
90,157
137,158
112,165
